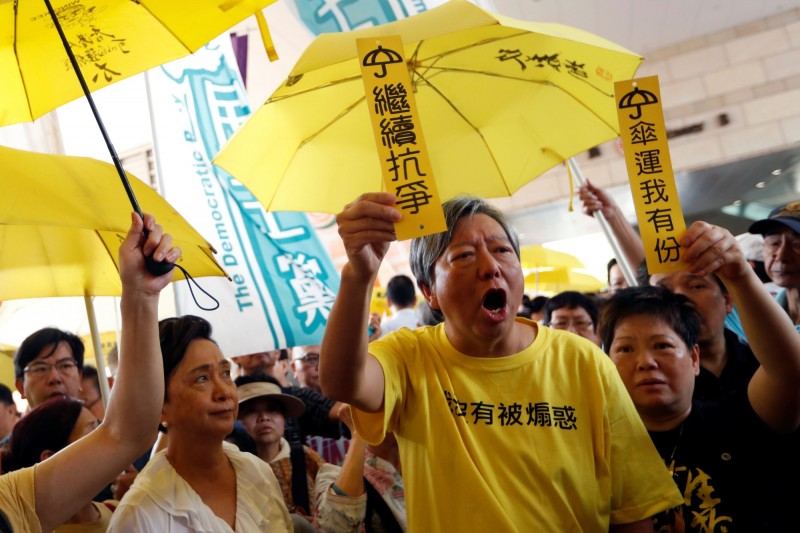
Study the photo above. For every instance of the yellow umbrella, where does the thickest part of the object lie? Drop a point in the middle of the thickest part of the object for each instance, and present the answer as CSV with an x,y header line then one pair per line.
x,y
111,40
562,279
62,220
52,51
500,101
536,257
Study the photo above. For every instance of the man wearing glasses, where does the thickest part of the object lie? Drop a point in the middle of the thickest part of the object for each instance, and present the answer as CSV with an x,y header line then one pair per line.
x,y
574,312
48,364
305,365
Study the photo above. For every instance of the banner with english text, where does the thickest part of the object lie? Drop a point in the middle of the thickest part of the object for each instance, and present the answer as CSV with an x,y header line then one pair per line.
x,y
283,282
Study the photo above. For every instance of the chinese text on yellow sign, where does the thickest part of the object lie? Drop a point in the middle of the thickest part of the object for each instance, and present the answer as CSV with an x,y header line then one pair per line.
x,y
402,150
644,140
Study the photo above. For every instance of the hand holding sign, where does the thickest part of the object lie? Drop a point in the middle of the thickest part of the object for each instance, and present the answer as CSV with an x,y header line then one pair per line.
x,y
711,249
403,154
367,226
644,139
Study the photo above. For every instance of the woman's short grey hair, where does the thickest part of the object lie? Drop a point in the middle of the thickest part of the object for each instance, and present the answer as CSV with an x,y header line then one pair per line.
x,y
425,251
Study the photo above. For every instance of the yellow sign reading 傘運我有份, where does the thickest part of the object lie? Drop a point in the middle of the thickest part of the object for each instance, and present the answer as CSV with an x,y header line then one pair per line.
x,y
644,141
403,154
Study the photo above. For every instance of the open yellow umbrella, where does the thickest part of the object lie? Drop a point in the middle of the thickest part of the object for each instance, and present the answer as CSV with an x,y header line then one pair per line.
x,y
500,101
562,279
537,257
111,40
53,51
62,220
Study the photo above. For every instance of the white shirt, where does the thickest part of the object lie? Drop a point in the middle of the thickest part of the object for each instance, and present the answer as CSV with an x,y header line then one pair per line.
x,y
160,500
404,318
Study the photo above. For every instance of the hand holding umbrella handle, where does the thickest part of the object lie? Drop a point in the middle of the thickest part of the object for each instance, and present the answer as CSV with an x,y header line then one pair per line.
x,y
156,268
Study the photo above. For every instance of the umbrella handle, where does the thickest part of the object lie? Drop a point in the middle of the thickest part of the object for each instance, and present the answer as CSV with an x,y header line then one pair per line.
x,y
74,62
156,268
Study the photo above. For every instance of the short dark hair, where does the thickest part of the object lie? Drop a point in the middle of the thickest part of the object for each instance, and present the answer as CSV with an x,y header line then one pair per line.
x,y
538,303
611,263
6,396
400,291
46,427
90,372
570,300
37,342
175,335
674,309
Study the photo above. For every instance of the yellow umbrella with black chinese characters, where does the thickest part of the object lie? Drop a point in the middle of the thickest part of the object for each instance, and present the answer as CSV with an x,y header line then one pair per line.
x,y
54,51
500,101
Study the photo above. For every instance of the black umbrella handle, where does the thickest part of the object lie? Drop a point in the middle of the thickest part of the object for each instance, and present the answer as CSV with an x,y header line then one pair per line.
x,y
157,268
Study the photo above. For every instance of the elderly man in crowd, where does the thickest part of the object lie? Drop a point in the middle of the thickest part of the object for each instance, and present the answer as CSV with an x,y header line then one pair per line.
x,y
781,232
521,428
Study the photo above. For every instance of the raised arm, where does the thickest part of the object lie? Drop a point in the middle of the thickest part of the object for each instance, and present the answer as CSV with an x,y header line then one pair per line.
x,y
347,372
774,390
70,478
596,199
343,509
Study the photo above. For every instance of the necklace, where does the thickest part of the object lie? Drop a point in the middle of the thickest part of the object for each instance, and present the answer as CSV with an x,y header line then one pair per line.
x,y
671,460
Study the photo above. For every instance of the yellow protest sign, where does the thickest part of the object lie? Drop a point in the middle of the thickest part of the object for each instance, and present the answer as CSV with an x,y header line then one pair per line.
x,y
644,141
402,151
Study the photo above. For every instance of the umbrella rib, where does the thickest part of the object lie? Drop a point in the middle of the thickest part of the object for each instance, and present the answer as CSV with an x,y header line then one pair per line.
x,y
331,122
514,78
471,125
19,65
274,98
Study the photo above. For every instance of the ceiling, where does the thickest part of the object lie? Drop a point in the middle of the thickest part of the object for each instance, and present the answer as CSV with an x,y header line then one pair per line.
x,y
643,26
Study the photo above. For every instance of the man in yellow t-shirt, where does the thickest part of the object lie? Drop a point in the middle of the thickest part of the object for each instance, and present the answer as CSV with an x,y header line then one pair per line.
x,y
502,425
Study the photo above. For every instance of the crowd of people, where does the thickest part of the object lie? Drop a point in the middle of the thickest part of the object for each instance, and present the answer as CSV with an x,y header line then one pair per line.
x,y
673,405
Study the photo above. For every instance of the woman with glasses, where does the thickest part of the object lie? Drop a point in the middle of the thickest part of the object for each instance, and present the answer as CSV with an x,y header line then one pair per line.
x,y
41,497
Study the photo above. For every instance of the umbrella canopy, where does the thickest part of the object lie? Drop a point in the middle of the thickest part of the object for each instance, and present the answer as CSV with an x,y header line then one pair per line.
x,y
62,220
536,257
111,40
500,101
562,279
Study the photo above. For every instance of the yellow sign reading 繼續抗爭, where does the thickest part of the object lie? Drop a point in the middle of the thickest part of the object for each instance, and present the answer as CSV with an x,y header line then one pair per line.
x,y
402,151
655,196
